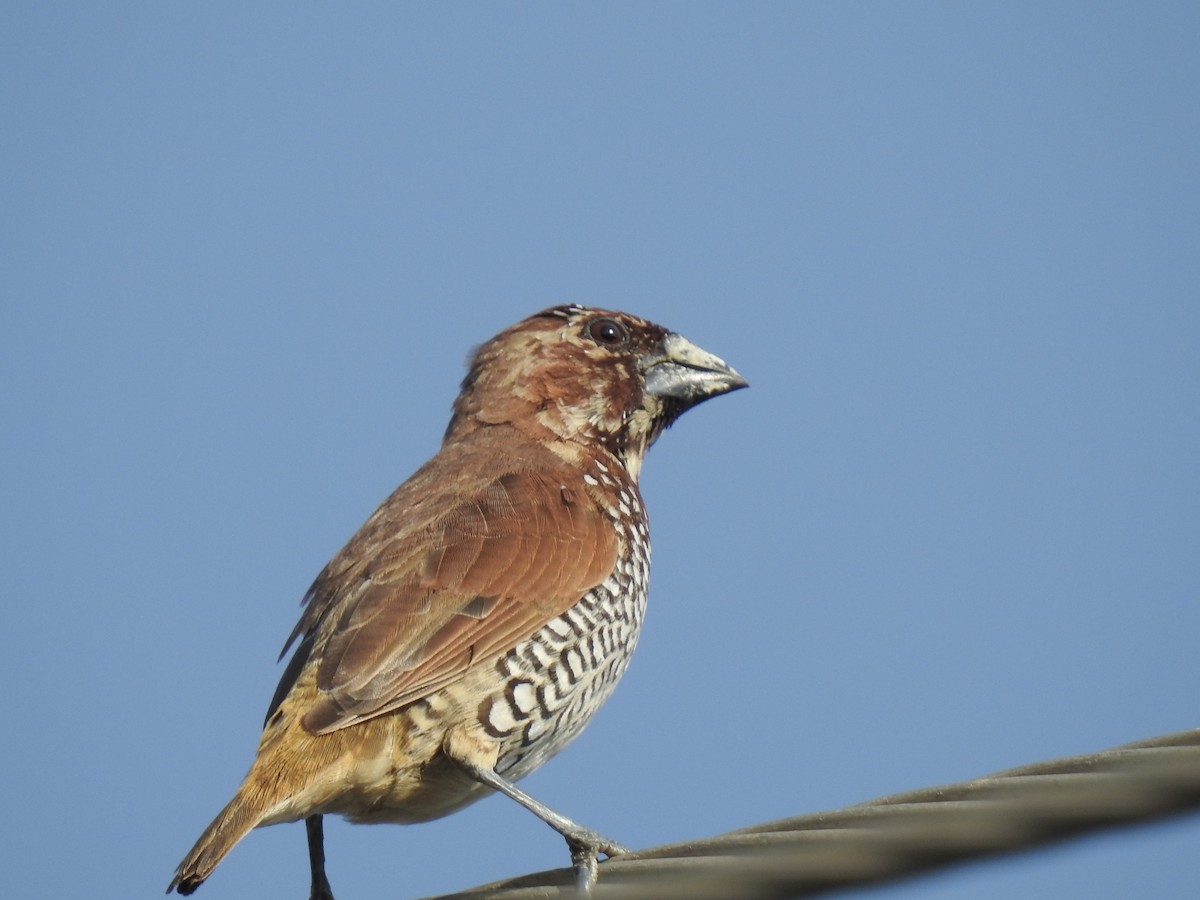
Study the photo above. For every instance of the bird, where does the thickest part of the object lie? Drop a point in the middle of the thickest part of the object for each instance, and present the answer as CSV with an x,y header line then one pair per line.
x,y
481,615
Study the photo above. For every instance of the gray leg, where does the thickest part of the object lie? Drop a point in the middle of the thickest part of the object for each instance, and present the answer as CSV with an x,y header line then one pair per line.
x,y
584,843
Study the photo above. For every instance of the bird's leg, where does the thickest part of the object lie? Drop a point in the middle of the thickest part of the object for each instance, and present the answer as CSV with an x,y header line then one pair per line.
x,y
316,859
583,842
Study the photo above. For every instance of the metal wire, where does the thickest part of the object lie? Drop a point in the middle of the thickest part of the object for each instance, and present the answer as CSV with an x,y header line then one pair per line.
x,y
899,835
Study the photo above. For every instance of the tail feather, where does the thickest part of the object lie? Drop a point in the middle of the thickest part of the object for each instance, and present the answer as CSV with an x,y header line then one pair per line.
x,y
231,824
278,788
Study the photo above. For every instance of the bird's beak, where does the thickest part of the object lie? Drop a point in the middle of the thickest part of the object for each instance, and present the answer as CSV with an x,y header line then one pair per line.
x,y
683,371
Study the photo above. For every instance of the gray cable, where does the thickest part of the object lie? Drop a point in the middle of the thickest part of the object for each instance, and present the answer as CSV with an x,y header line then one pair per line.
x,y
902,834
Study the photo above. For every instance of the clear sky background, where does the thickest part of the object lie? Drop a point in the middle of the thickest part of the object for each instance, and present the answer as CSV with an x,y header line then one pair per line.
x,y
953,526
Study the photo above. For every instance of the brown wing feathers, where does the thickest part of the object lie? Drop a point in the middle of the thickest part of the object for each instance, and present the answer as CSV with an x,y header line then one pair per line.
x,y
493,569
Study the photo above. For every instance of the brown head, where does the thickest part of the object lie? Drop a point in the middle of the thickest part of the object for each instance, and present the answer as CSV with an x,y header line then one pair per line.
x,y
588,375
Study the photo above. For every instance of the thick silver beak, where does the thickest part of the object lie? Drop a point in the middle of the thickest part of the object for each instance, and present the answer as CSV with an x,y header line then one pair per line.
x,y
685,372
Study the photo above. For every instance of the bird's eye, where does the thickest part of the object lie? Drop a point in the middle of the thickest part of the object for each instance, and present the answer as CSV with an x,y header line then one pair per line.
x,y
608,332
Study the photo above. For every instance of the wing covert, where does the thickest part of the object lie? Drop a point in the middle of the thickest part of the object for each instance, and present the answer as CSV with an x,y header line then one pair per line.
x,y
481,577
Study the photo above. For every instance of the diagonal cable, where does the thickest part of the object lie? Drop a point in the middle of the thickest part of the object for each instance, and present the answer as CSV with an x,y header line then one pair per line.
x,y
902,834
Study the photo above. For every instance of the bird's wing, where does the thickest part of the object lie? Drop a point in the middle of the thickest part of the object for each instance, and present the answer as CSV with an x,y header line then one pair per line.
x,y
414,612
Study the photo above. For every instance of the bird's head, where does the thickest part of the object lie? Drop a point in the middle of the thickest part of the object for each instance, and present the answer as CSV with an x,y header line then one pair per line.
x,y
591,376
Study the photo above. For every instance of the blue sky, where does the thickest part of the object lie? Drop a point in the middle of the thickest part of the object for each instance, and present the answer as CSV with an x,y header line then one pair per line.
x,y
952,528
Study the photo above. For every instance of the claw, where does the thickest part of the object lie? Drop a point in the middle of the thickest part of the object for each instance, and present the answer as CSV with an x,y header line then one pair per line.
x,y
583,858
611,848
585,846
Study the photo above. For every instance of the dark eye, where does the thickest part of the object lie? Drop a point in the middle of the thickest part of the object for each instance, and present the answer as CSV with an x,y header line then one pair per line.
x,y
608,332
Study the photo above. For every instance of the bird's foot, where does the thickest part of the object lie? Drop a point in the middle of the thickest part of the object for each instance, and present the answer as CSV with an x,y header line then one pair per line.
x,y
586,846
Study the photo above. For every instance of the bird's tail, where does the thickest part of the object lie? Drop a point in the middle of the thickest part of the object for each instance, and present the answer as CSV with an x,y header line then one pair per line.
x,y
245,811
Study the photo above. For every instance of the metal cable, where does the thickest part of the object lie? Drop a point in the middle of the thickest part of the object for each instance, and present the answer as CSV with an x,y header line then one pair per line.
x,y
902,834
